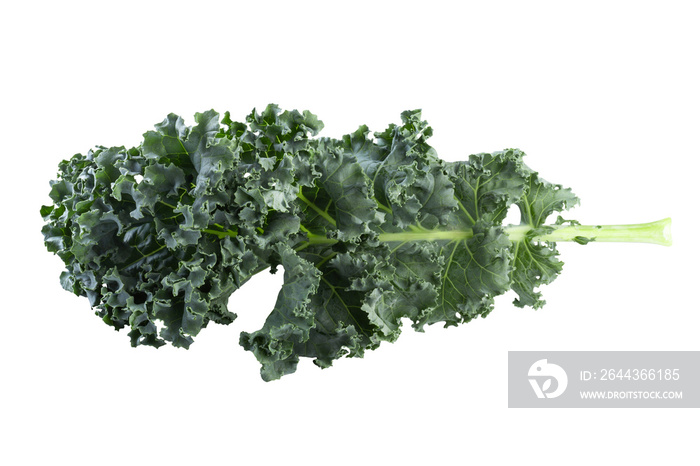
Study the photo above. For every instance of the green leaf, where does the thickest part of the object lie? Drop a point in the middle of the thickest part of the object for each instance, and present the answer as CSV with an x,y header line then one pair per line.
x,y
290,321
373,230
534,263
341,201
488,184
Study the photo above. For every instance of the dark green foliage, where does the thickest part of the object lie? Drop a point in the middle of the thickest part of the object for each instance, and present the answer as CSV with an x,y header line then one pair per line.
x,y
370,230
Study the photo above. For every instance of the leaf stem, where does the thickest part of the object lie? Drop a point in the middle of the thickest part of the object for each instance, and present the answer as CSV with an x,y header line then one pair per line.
x,y
658,232
320,212
221,234
426,235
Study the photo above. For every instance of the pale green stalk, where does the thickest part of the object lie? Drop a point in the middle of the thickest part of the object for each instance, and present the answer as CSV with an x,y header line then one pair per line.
x,y
658,232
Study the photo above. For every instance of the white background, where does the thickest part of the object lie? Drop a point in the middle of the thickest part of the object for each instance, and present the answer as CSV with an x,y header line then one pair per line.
x,y
603,96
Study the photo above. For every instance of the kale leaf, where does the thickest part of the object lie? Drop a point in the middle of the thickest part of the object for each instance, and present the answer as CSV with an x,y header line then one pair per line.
x,y
370,229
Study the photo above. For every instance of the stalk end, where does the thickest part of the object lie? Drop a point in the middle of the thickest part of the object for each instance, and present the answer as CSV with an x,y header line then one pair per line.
x,y
665,226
